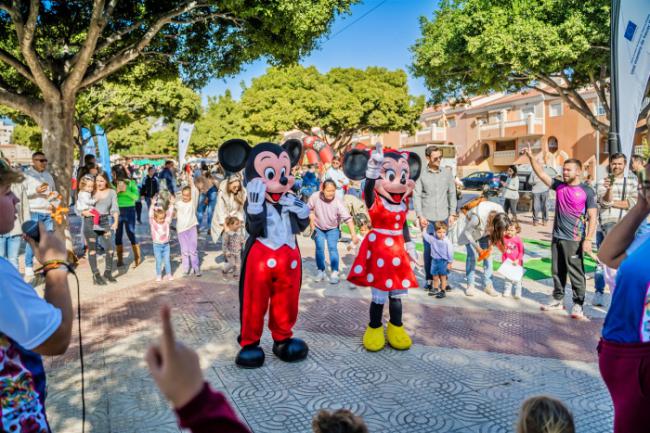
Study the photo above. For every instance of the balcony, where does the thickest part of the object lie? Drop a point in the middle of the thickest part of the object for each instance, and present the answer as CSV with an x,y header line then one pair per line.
x,y
511,129
504,157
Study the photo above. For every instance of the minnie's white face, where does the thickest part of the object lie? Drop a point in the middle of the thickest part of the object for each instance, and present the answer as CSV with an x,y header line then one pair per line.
x,y
394,183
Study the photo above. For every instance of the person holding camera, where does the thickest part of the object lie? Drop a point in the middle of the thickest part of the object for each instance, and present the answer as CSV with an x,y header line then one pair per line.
x,y
617,194
29,325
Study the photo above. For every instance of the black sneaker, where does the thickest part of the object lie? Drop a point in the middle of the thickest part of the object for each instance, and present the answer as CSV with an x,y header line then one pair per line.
x,y
448,288
441,294
428,287
434,292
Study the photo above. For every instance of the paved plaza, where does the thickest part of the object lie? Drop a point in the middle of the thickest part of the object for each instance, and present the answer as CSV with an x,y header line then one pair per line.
x,y
473,361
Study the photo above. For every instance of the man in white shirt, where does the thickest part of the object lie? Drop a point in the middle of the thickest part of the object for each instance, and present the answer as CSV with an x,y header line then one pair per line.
x,y
40,189
29,325
335,172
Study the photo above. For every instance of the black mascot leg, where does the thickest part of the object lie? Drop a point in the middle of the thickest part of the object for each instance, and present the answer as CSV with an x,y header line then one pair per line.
x,y
376,313
251,356
395,311
291,349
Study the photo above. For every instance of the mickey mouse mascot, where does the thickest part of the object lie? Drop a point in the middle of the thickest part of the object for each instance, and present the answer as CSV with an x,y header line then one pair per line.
x,y
271,265
384,259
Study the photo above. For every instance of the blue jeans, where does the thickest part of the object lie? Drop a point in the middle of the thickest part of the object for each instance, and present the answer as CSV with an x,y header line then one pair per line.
x,y
211,195
126,220
470,264
9,248
332,238
46,219
599,275
161,253
427,249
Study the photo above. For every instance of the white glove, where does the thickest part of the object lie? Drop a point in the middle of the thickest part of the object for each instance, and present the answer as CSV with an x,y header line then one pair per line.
x,y
411,251
256,191
374,163
292,204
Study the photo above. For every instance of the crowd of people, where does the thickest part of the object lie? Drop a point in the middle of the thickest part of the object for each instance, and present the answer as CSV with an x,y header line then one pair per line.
x,y
181,202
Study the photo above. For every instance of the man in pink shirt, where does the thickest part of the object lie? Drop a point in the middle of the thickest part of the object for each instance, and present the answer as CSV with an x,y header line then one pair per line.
x,y
327,212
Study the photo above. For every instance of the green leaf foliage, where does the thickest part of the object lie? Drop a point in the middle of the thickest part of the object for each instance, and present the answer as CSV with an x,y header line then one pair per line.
x,y
341,102
476,46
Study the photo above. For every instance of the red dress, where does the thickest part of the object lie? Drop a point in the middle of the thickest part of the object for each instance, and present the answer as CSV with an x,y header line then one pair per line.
x,y
383,262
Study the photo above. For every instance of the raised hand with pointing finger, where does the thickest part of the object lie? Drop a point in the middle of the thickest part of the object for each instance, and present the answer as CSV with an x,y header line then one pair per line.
x,y
375,161
177,372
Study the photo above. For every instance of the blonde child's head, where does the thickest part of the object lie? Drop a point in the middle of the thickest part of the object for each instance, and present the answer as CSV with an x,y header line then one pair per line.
x,y
87,183
543,414
159,215
340,421
441,229
233,223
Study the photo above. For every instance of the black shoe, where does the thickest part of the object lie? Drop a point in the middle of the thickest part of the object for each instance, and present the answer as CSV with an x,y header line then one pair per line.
x,y
98,280
291,350
434,291
250,357
428,287
109,277
441,294
448,288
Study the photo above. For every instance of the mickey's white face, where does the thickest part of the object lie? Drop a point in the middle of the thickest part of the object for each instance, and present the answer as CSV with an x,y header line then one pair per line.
x,y
275,172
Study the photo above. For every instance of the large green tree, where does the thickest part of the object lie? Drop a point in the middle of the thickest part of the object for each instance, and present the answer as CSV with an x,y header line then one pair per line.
x,y
50,51
556,46
341,102
223,119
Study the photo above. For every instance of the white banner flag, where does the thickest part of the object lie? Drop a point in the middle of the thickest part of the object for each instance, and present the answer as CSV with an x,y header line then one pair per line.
x,y
184,134
633,68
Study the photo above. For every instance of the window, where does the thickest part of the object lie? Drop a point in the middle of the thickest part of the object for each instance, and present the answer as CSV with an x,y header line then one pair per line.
x,y
440,123
552,144
485,152
555,109
451,122
525,111
494,118
600,109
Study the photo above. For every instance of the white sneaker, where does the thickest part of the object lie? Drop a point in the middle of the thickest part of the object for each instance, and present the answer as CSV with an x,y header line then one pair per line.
x,y
471,291
29,272
507,293
518,291
576,312
159,278
320,276
334,277
598,300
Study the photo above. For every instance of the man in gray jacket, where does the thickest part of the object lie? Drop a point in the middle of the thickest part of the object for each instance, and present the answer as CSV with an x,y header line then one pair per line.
x,y
540,199
434,200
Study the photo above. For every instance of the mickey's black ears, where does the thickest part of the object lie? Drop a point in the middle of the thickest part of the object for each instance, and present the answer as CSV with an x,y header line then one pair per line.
x,y
415,165
293,147
233,154
355,163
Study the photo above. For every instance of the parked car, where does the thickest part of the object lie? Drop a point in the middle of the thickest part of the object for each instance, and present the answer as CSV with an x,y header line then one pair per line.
x,y
480,179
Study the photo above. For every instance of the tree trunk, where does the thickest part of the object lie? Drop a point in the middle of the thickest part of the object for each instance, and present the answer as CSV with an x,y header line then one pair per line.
x,y
58,142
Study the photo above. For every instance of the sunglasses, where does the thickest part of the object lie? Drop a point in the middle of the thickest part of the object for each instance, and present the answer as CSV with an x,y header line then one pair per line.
x,y
40,160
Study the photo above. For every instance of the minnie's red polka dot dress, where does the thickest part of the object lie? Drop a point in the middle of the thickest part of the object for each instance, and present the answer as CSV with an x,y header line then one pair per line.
x,y
383,262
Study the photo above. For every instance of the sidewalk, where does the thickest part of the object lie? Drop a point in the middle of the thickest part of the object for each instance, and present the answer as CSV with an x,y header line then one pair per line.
x,y
473,361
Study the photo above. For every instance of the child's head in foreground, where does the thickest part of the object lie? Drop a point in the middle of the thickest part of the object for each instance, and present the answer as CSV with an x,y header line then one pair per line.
x,y
544,415
339,421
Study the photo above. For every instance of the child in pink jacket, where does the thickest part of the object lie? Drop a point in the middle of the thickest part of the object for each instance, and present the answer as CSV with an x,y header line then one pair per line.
x,y
512,249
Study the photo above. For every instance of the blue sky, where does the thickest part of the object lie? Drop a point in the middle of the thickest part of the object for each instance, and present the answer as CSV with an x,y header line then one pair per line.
x,y
380,38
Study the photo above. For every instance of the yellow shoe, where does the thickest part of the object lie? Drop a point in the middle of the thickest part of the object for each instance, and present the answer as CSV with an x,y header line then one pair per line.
x,y
373,339
397,337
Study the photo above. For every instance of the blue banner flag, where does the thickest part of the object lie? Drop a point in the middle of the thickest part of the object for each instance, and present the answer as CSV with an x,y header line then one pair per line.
x,y
104,155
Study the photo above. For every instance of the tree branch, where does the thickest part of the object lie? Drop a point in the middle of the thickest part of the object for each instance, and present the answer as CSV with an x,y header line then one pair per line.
x,y
10,60
25,32
29,106
134,50
81,60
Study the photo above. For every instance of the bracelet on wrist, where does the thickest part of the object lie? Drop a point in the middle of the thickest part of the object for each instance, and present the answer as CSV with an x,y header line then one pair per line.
x,y
54,264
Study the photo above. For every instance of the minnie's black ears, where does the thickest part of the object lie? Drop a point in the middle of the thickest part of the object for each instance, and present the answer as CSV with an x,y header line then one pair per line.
x,y
415,165
293,147
233,154
355,163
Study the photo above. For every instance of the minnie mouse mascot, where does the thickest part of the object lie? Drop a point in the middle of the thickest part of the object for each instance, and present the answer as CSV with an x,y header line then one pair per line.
x,y
271,265
384,259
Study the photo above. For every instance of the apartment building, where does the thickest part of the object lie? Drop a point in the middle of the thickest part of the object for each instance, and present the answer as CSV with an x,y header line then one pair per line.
x,y
6,132
491,131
